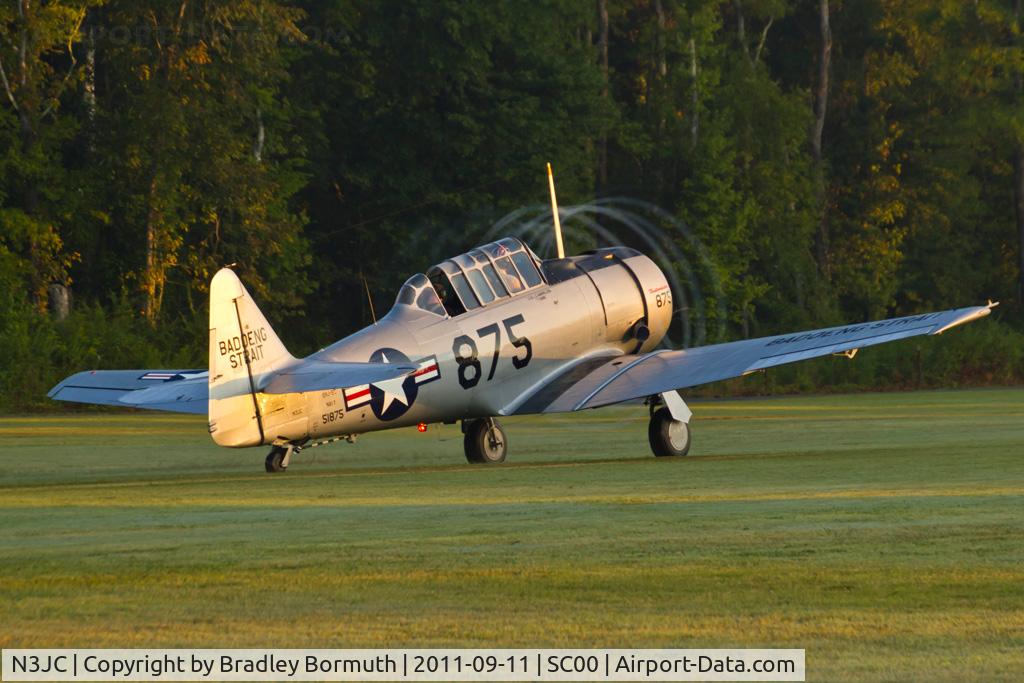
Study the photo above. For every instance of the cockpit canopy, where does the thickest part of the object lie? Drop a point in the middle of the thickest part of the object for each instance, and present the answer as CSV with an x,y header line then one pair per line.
x,y
477,278
417,292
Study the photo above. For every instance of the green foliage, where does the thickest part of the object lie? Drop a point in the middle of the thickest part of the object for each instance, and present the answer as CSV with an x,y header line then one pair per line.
x,y
433,120
181,145
34,197
329,147
39,352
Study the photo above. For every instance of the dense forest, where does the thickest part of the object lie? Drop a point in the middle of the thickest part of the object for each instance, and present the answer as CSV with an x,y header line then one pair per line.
x,y
831,160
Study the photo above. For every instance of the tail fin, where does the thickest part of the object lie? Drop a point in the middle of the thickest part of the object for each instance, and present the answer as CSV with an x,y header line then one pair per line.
x,y
243,350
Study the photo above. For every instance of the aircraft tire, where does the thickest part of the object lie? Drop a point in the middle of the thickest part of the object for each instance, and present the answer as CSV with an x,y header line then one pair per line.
x,y
668,437
275,460
485,442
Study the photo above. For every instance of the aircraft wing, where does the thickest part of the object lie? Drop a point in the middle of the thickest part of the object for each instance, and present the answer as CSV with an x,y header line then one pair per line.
x,y
600,382
187,391
178,391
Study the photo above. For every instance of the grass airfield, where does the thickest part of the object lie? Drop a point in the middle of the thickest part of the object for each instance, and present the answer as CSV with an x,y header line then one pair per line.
x,y
884,533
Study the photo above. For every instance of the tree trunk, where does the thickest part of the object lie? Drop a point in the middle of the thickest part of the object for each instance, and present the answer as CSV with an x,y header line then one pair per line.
x,y
27,99
760,44
23,10
153,275
1018,167
694,97
741,36
602,42
820,109
741,31
1018,195
89,87
27,126
659,10
257,147
60,301
824,68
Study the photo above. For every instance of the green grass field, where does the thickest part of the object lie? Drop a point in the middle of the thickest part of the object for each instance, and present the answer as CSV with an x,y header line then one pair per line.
x,y
884,533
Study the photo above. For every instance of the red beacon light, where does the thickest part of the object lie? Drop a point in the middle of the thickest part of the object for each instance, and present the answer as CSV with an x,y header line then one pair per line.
x,y
422,427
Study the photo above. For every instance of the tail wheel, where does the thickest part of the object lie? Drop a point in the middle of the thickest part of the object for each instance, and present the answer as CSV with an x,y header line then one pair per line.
x,y
485,442
668,437
275,460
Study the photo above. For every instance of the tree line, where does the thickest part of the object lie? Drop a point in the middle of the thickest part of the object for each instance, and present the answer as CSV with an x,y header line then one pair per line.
x,y
838,160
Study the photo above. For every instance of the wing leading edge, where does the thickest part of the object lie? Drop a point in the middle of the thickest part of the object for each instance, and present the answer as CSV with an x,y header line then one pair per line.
x,y
632,377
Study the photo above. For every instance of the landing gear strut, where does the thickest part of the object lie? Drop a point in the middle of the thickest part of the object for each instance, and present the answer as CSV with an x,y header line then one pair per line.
x,y
485,441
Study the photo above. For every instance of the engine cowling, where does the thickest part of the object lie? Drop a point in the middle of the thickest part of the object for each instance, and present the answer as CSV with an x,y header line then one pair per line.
x,y
635,296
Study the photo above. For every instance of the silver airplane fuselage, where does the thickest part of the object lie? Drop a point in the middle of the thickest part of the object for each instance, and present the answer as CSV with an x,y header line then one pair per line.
x,y
481,362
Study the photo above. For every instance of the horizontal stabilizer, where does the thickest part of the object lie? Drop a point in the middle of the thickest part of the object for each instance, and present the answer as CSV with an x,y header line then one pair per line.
x,y
187,391
178,391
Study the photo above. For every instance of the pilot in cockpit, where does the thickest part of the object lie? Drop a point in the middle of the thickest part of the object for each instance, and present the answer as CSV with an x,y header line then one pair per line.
x,y
449,300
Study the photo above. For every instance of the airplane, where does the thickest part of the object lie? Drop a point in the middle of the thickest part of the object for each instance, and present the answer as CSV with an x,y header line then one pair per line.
x,y
493,332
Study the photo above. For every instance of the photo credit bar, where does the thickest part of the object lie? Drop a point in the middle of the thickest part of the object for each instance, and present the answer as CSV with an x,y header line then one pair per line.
x,y
437,664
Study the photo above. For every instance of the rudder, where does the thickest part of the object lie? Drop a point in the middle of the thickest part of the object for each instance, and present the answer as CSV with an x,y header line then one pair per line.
x,y
243,350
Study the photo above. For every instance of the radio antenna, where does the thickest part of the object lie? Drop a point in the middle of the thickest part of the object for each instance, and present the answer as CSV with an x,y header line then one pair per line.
x,y
369,298
554,214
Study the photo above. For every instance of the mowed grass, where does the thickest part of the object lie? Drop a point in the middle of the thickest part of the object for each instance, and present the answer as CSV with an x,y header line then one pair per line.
x,y
884,533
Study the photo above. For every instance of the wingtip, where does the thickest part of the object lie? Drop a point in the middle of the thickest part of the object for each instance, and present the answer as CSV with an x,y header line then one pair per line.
x,y
971,315
56,389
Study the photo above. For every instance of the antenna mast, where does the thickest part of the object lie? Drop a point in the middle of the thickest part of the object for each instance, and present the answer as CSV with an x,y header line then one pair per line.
x,y
554,214
369,298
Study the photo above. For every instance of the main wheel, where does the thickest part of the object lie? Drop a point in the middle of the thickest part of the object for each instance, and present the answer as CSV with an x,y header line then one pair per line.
x,y
485,442
275,460
668,436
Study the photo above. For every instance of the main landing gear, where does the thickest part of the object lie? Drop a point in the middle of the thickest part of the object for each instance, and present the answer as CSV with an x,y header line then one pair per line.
x,y
669,429
485,441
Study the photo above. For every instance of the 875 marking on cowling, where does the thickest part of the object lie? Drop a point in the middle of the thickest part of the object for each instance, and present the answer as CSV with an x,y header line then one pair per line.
x,y
245,347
